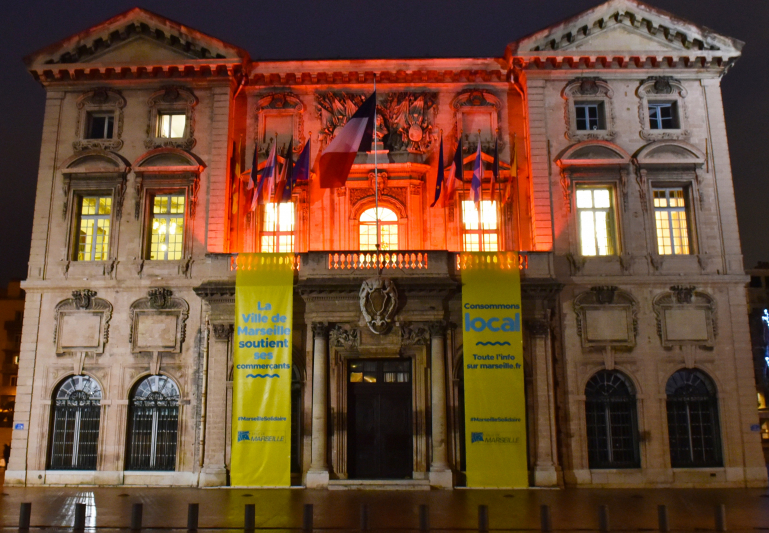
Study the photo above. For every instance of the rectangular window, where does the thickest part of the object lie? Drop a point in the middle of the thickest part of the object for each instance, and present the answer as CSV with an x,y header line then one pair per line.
x,y
663,116
472,121
480,228
171,125
167,227
590,116
100,125
278,228
670,217
595,214
93,228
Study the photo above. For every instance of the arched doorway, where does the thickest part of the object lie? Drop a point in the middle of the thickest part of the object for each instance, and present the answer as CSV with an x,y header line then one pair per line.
x,y
153,422
75,424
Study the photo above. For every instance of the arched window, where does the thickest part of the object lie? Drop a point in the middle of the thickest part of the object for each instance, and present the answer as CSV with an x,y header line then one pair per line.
x,y
75,424
388,229
612,427
693,429
153,421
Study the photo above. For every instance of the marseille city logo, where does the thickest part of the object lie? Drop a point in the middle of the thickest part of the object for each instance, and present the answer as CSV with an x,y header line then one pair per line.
x,y
243,435
476,437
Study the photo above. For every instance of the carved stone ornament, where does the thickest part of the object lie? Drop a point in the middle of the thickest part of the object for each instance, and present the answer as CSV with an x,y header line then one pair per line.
x,y
158,322
344,337
222,332
414,334
475,100
398,194
588,90
319,329
378,302
686,316
606,316
104,101
81,323
171,99
663,89
280,104
537,327
405,120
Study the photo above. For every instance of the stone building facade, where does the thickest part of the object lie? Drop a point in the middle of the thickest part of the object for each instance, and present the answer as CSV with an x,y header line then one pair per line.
x,y
615,188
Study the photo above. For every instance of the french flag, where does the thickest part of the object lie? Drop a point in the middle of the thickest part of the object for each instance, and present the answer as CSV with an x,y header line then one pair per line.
x,y
263,195
338,157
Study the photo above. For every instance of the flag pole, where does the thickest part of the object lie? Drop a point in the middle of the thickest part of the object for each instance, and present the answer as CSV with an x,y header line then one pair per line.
x,y
276,241
480,203
376,176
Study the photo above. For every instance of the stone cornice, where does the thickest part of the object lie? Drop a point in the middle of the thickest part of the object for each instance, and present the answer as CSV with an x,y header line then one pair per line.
x,y
88,72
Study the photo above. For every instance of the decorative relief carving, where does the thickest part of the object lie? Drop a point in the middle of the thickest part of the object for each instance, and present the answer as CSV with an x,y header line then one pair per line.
x,y
404,120
437,329
537,327
100,100
319,329
344,337
158,322
280,103
686,316
414,334
606,316
479,99
378,302
592,90
666,89
171,99
396,193
81,323
222,332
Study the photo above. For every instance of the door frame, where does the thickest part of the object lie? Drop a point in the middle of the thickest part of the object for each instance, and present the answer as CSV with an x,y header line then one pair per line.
x,y
420,401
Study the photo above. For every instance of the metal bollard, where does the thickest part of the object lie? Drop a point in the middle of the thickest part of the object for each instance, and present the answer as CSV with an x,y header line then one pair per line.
x,y
544,518
249,522
721,517
79,524
307,517
192,517
136,516
662,515
363,517
483,518
25,513
603,518
424,518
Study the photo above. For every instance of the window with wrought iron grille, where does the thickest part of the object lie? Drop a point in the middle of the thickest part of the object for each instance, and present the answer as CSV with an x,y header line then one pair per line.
x,y
166,232
671,221
153,424
94,216
612,425
388,229
480,233
693,428
74,434
663,116
595,219
278,228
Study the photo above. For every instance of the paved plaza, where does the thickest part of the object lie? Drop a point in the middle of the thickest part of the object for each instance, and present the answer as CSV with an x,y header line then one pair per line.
x,y
281,509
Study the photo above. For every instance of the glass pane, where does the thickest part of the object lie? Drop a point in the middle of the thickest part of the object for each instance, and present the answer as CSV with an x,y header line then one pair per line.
x,y
584,198
587,233
602,198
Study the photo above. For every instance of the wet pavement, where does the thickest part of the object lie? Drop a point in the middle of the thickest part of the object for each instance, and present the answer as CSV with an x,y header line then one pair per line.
x,y
281,509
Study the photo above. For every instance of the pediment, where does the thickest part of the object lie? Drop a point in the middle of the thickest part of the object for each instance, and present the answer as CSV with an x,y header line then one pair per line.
x,y
626,26
137,36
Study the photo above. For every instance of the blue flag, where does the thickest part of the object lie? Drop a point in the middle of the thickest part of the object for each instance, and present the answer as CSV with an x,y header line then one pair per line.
x,y
439,178
475,184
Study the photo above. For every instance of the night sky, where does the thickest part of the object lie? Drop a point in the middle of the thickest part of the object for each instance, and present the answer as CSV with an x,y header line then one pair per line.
x,y
314,29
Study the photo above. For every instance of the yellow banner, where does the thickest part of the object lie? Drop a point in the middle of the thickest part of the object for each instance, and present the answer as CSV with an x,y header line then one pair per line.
x,y
261,382
495,407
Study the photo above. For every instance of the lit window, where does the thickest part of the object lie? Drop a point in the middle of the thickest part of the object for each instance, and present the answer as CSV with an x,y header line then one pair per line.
x,y
278,228
388,229
93,230
171,125
100,125
595,213
167,227
480,228
671,221
663,116
590,116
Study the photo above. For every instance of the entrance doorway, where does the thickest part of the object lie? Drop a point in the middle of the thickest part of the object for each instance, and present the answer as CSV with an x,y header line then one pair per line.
x,y
379,428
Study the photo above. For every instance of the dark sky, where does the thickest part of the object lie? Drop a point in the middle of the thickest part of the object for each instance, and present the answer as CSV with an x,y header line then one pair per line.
x,y
354,28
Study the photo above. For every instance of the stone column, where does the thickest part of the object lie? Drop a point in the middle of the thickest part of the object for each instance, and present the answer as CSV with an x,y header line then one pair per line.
x,y
317,476
546,472
440,473
214,473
